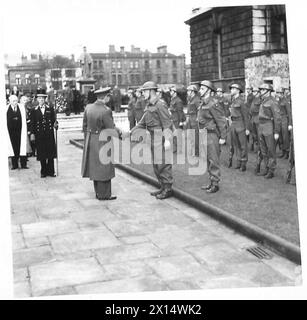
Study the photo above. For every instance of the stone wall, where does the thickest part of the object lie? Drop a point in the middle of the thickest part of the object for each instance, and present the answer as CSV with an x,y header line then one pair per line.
x,y
267,67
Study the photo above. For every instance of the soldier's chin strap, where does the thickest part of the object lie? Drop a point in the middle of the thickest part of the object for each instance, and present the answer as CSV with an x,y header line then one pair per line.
x,y
262,95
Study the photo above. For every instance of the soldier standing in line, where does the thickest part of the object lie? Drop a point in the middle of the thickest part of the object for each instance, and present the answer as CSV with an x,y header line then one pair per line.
x,y
139,105
269,128
155,119
254,121
210,118
191,121
177,114
42,124
284,111
239,126
131,108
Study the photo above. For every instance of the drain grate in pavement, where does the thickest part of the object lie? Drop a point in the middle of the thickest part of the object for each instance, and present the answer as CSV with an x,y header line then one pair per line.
x,y
259,252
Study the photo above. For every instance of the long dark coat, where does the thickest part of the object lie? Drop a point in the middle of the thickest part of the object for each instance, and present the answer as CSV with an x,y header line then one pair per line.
x,y
97,117
42,127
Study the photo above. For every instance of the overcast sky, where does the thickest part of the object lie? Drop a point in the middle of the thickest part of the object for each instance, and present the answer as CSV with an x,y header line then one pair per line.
x,y
65,26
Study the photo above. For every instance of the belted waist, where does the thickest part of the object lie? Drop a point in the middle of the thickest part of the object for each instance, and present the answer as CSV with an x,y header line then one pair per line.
x,y
236,118
265,120
94,131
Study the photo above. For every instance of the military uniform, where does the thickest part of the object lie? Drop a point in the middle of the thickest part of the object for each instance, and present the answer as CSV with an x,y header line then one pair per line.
x,y
97,117
192,110
156,117
139,108
269,123
254,120
131,112
238,114
42,124
210,118
176,110
284,110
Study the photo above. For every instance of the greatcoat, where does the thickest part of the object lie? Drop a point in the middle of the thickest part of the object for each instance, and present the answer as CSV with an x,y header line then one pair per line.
x,y
97,117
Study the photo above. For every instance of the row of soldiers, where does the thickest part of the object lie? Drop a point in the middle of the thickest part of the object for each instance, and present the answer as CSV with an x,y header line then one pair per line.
x,y
261,118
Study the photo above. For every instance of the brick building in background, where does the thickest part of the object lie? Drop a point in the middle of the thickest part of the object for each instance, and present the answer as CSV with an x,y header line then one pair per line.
x,y
133,68
246,45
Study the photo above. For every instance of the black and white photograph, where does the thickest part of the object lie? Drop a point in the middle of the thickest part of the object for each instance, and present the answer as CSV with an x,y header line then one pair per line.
x,y
148,149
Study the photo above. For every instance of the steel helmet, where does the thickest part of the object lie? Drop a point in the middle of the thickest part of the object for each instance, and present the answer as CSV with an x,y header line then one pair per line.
x,y
149,85
266,86
237,86
208,84
192,87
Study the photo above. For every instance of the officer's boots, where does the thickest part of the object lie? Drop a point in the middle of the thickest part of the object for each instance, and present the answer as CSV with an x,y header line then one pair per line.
x,y
155,193
243,167
213,189
257,169
166,193
265,172
269,175
238,166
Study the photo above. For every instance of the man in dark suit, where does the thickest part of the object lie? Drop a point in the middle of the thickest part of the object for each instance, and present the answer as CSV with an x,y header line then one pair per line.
x,y
43,122
97,118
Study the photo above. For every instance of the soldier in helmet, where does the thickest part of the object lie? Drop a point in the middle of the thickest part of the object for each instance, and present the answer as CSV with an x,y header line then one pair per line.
x,y
239,126
192,109
285,113
254,119
210,118
269,128
176,110
155,119
139,105
131,108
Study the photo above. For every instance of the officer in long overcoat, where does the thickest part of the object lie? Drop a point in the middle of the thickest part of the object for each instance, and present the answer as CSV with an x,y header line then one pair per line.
x,y
17,133
42,125
97,118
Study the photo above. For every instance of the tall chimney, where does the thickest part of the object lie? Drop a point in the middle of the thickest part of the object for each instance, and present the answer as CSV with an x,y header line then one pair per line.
x,y
122,49
111,48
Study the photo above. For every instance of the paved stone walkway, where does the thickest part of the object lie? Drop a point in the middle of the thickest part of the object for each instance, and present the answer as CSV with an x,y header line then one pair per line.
x,y
67,242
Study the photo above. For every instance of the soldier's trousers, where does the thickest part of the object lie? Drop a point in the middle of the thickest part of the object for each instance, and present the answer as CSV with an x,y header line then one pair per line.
x,y
47,167
268,150
284,135
254,129
162,170
240,144
102,189
213,158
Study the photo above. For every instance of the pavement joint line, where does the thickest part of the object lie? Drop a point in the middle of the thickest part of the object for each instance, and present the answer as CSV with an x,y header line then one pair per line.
x,y
273,242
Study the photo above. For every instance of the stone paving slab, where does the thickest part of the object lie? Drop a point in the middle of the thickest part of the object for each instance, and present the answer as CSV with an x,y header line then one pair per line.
x,y
65,273
65,242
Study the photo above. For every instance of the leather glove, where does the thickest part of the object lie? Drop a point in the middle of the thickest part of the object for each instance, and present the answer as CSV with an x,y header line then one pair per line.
x,y
247,132
276,136
290,127
222,141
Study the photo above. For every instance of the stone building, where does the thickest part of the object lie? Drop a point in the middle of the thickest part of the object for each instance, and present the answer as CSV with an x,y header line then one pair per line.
x,y
133,68
246,45
57,78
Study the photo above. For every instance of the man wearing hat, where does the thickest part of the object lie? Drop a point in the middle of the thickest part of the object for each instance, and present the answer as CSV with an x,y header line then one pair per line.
x,y
239,126
176,110
155,119
254,122
139,105
192,109
98,117
42,125
131,108
285,114
211,119
269,128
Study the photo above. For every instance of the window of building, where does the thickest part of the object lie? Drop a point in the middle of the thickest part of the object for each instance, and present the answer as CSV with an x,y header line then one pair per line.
x,y
131,64
174,77
283,34
119,78
146,64
37,79
174,64
113,64
119,65
136,64
100,64
159,78
138,79
113,79
27,78
55,74
95,64
70,73
57,85
158,64
17,79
